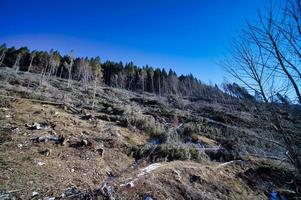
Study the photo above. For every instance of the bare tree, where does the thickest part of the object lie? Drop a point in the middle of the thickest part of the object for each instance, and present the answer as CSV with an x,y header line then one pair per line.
x,y
261,63
151,73
97,73
16,65
69,67
45,62
276,35
2,55
142,75
85,72
32,56
54,62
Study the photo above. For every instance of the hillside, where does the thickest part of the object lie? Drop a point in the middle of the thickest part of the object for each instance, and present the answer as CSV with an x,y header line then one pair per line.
x,y
135,145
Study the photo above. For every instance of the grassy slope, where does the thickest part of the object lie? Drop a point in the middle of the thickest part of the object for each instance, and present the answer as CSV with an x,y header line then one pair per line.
x,y
81,166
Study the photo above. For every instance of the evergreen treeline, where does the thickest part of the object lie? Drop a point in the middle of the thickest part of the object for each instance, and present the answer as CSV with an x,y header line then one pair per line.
x,y
116,74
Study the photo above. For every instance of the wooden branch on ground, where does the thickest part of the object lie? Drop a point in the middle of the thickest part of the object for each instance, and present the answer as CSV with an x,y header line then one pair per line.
x,y
70,107
268,157
229,163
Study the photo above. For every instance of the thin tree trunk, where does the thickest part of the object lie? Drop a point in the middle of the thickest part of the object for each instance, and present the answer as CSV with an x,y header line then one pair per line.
x,y
49,73
94,92
17,62
61,72
42,75
2,57
30,64
159,86
152,83
69,76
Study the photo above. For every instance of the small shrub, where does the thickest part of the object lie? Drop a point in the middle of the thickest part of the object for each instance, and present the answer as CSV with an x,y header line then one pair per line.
x,y
196,155
194,137
167,152
146,123
190,128
131,141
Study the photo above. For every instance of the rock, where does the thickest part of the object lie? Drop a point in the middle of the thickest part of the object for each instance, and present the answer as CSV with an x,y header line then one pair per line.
x,y
130,184
15,130
45,152
56,114
34,194
61,140
73,191
109,109
49,198
57,139
107,191
40,163
85,142
37,126
99,150
39,139
87,117
195,178
82,143
6,195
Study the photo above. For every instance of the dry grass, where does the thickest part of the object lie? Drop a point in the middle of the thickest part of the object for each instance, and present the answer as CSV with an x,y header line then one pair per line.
x,y
66,166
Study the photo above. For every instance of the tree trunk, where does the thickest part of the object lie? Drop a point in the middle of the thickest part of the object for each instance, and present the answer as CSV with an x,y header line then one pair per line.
x,y
69,76
2,57
159,86
30,64
94,92
289,76
17,62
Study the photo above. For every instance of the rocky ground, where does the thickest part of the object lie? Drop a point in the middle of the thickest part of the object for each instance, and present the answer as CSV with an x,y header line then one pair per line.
x,y
55,145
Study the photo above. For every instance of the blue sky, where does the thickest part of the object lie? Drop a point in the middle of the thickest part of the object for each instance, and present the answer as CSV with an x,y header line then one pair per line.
x,y
189,36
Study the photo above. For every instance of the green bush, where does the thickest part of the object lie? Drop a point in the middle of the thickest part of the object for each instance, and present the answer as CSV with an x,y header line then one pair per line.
x,y
167,152
146,123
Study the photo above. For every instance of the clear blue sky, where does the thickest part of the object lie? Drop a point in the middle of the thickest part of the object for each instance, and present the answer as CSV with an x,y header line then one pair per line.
x,y
188,36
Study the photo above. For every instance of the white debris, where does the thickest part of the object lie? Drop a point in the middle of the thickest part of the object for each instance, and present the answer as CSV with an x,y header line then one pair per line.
x,y
129,183
20,146
56,114
37,126
49,198
178,174
40,163
15,130
149,168
229,163
34,193
70,192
